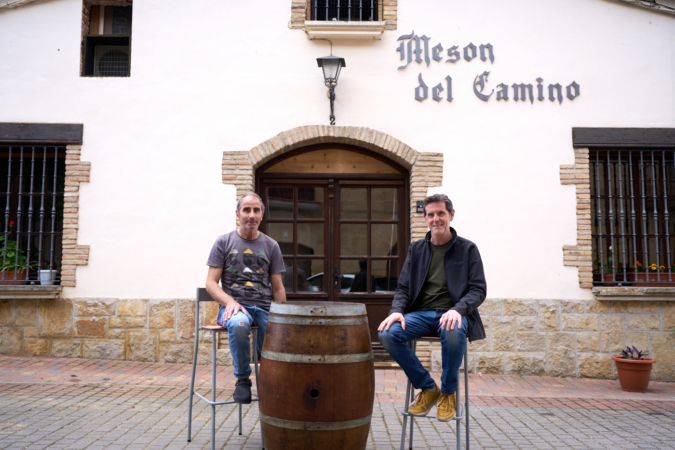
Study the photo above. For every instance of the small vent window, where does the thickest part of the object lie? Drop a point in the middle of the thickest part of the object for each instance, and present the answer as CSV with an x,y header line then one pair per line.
x,y
106,38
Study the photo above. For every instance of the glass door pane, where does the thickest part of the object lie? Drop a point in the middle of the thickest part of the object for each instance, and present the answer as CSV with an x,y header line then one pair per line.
x,y
369,234
385,275
283,234
280,202
353,203
311,276
296,219
353,239
384,203
310,203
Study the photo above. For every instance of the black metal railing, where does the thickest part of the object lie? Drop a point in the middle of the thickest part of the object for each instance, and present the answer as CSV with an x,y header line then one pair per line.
x,y
632,195
345,10
32,184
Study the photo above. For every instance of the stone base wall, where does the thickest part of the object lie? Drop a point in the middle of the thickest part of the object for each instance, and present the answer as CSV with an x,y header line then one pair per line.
x,y
567,338
524,337
131,329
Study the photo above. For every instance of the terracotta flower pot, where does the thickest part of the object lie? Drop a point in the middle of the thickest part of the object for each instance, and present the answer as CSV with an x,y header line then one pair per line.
x,y
607,279
9,277
633,373
650,279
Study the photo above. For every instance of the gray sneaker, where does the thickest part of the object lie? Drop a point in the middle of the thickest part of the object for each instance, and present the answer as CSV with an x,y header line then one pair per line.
x,y
242,391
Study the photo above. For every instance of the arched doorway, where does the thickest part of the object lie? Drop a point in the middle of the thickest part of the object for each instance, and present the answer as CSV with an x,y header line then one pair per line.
x,y
341,216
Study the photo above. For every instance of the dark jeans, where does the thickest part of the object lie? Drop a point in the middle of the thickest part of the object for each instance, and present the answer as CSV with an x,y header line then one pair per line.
x,y
426,323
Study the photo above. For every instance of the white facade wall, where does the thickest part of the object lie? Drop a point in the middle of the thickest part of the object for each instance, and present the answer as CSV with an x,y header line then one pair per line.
x,y
213,76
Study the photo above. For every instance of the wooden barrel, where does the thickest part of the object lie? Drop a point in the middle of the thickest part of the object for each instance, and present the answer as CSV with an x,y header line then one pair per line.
x,y
317,379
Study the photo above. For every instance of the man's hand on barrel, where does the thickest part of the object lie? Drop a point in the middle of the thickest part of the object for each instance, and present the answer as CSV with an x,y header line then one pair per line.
x,y
389,321
449,319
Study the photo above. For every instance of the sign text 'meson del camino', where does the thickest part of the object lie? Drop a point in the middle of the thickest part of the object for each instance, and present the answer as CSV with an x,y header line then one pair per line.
x,y
521,92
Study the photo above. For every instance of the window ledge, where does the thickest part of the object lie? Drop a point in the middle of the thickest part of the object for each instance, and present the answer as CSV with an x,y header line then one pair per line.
x,y
321,29
29,292
635,293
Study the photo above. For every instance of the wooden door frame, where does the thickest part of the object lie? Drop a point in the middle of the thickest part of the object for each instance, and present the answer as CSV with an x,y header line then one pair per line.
x,y
377,304
331,180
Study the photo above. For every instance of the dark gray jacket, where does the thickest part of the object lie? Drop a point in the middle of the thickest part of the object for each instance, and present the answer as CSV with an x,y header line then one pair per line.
x,y
463,272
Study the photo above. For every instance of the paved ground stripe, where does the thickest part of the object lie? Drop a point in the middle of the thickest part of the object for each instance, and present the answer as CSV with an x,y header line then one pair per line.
x,y
129,405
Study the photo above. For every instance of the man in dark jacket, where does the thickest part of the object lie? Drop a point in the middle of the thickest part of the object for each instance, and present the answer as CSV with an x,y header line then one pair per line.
x,y
440,288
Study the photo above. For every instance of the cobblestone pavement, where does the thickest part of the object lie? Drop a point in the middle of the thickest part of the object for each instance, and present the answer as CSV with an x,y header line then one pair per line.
x,y
80,403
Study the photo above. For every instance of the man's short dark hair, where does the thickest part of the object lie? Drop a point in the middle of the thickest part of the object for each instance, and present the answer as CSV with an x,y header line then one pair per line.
x,y
438,198
250,194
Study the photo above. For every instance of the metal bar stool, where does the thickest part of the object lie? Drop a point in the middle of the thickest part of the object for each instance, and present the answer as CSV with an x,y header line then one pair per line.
x,y
461,410
203,296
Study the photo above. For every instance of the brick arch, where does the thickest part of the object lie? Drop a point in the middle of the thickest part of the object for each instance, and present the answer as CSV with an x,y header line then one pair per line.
x,y
426,169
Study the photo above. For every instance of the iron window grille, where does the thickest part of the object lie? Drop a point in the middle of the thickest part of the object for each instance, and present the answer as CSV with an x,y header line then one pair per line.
x,y
632,198
345,10
32,184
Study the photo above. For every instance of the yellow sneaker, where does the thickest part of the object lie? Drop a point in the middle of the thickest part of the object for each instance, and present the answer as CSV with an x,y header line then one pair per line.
x,y
424,401
446,407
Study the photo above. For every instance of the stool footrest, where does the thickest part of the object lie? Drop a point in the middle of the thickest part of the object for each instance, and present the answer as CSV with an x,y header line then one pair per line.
x,y
459,416
229,402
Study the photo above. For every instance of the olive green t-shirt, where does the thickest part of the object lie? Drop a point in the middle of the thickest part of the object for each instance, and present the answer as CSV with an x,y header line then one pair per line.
x,y
434,293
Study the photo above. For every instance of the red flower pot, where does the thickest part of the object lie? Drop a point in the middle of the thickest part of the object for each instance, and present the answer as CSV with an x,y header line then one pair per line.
x,y
633,373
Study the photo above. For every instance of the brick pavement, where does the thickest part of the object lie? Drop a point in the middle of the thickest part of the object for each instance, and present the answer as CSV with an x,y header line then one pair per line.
x,y
81,403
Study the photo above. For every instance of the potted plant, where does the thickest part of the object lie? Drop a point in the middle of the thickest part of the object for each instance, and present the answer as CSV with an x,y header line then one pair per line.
x,y
13,261
633,369
648,274
47,275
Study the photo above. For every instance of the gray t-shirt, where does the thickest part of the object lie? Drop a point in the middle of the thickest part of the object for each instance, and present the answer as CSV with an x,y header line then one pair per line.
x,y
247,266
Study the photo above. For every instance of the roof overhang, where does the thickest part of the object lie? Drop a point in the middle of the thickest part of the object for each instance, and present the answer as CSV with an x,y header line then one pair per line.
x,y
653,5
4,4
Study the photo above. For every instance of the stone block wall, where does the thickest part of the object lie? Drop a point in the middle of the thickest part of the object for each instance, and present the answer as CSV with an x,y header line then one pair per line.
x,y
102,328
524,337
567,338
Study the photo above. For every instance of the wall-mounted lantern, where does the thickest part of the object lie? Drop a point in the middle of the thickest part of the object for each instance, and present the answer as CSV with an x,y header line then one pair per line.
x,y
420,206
331,66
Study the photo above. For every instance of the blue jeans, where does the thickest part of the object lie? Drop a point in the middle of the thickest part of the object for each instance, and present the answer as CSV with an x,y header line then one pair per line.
x,y
426,323
238,332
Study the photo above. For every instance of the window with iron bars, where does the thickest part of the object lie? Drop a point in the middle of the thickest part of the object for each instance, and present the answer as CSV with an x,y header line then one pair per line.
x,y
32,183
345,10
632,200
